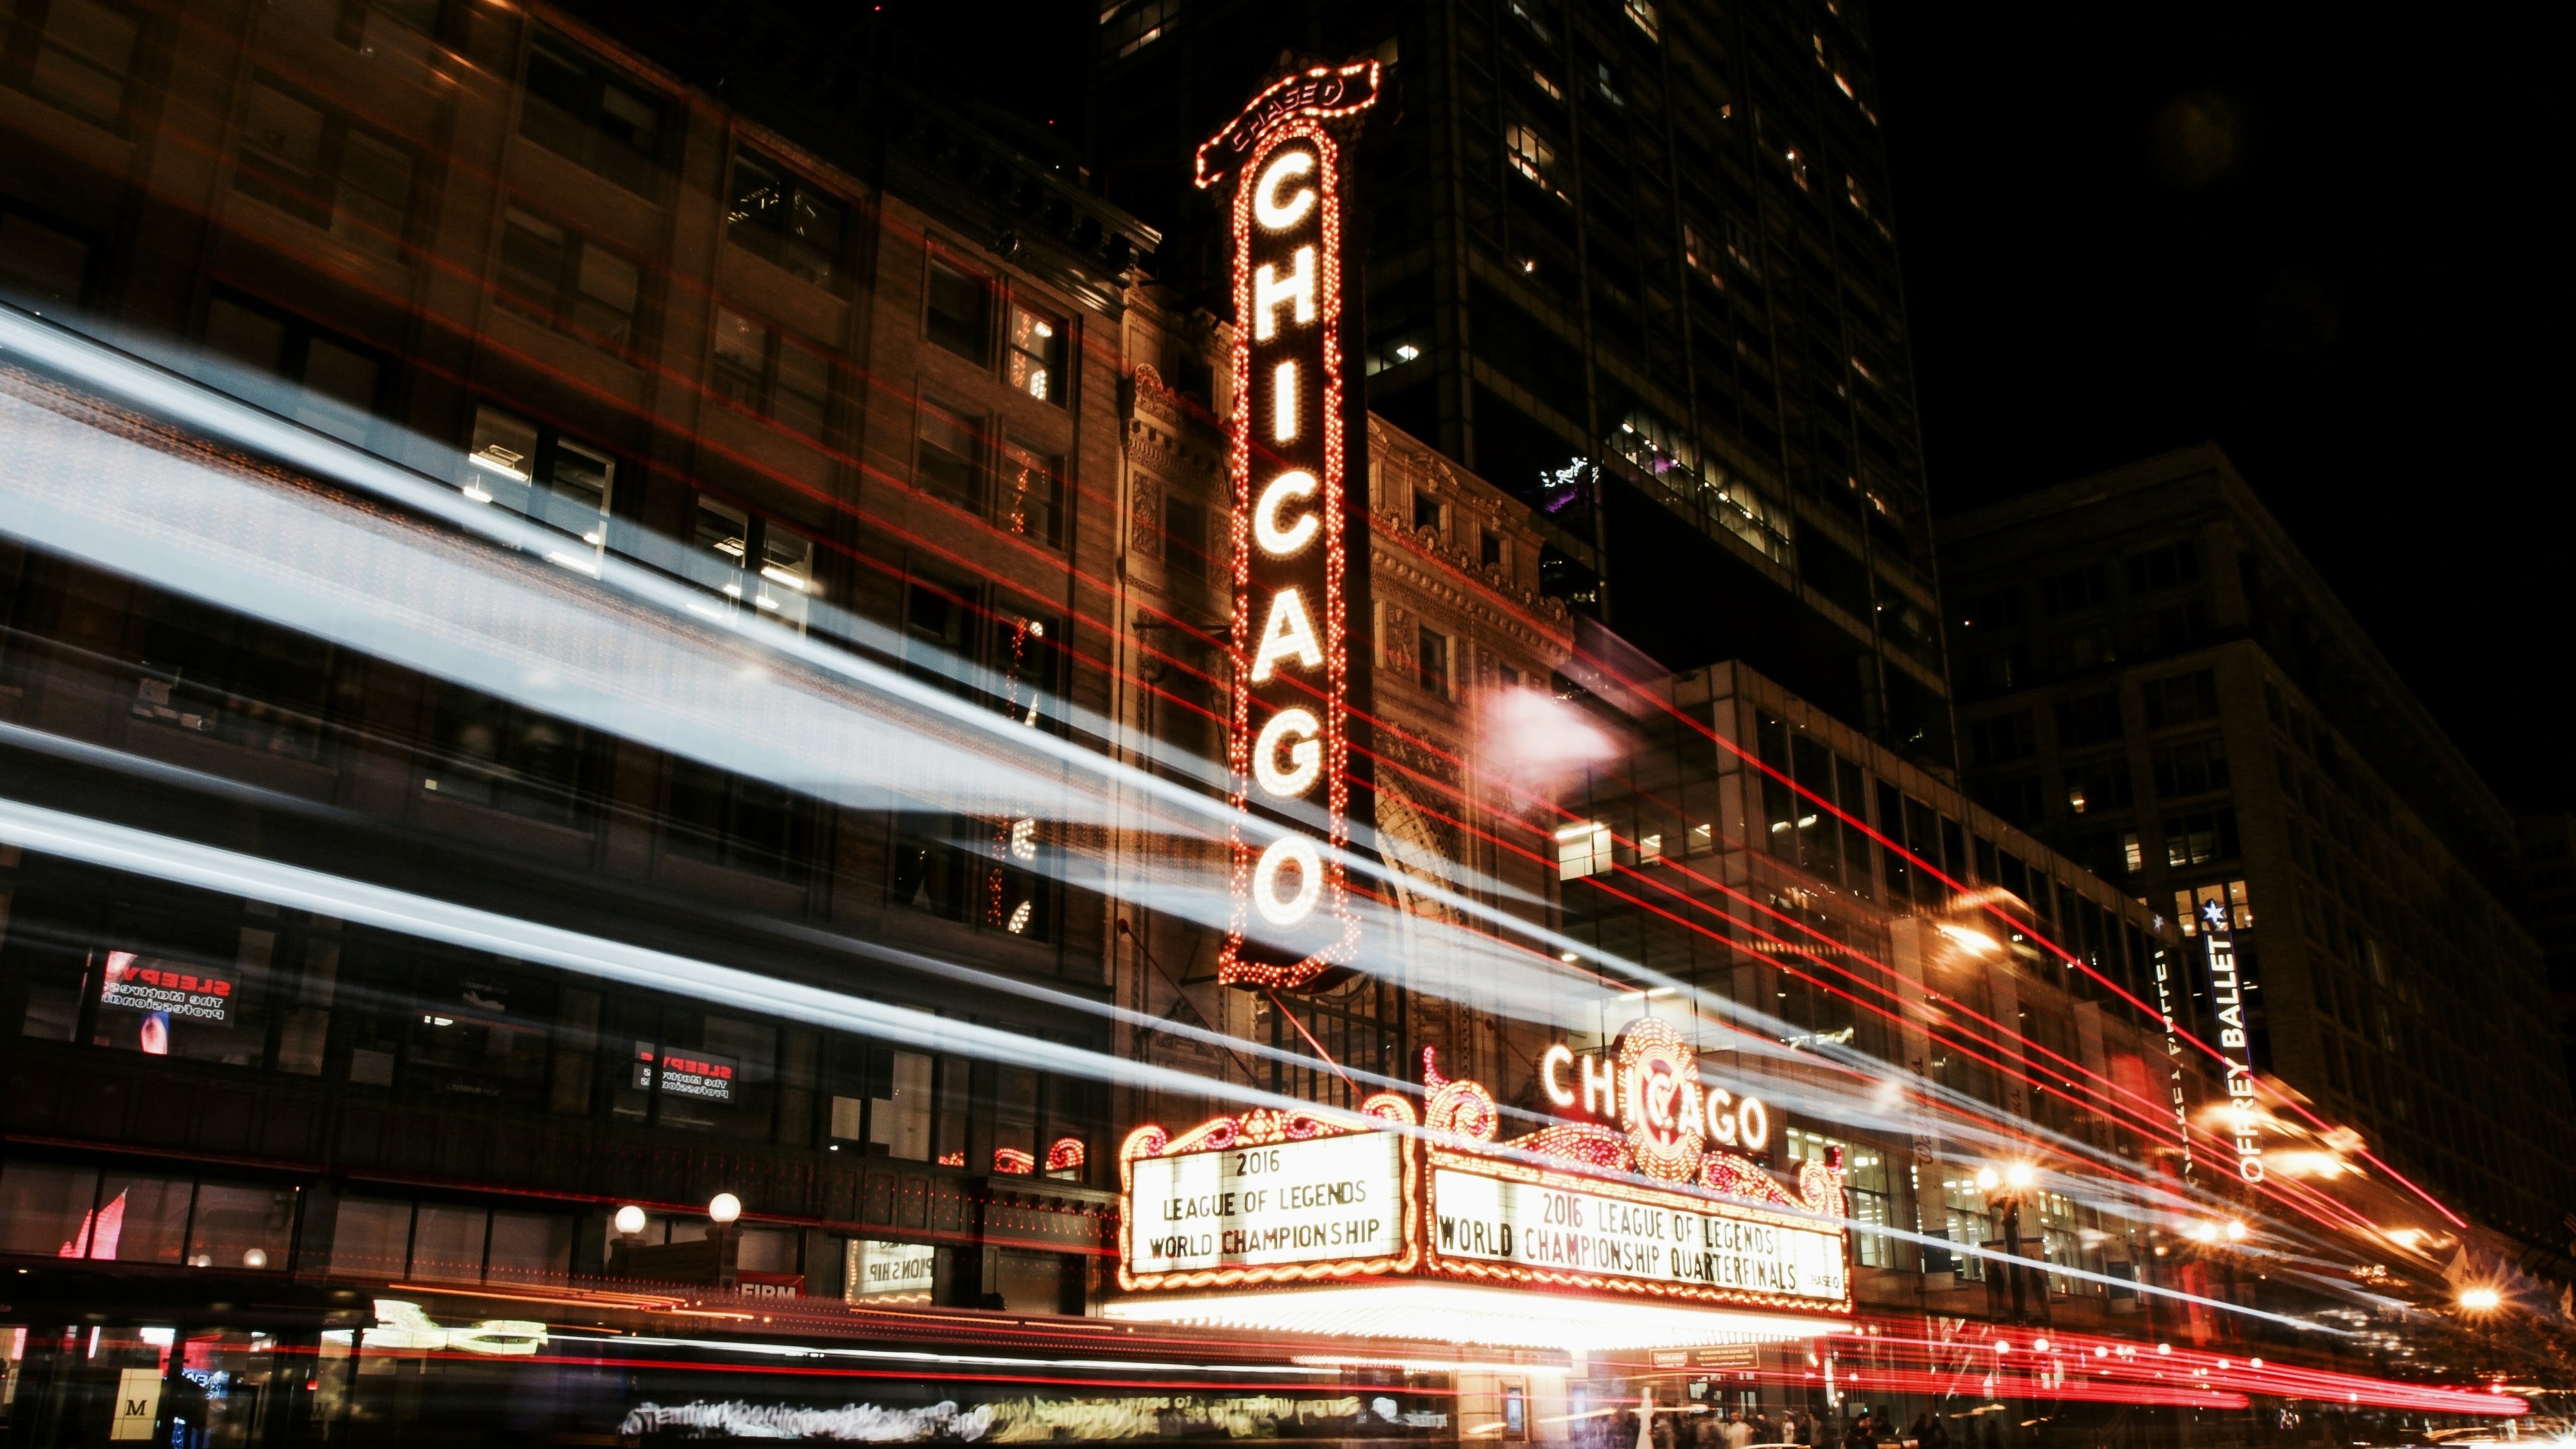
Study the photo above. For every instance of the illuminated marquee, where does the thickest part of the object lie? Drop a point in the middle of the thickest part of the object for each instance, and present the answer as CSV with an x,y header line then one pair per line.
x,y
1291,447
2226,992
1290,1199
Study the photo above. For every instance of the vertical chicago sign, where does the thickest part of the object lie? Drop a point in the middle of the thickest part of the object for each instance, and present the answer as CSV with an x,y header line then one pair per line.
x,y
1297,441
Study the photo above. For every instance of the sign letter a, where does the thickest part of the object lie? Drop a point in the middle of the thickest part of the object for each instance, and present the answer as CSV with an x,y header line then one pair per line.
x,y
1288,635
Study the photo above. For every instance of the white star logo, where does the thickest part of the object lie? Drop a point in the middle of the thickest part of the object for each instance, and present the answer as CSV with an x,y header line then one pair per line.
x,y
2215,914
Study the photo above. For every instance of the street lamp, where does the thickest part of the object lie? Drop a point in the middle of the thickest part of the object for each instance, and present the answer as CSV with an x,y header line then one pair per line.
x,y
723,1209
629,1221
2481,1300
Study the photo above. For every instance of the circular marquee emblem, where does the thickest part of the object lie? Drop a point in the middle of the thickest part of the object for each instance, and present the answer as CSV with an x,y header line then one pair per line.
x,y
1660,1074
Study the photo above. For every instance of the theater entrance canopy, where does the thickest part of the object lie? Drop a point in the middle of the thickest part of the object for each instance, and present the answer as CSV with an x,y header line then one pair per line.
x,y
1631,1231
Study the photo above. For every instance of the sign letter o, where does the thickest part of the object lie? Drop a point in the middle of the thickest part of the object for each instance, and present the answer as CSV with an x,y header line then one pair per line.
x,y
1753,1124
1288,850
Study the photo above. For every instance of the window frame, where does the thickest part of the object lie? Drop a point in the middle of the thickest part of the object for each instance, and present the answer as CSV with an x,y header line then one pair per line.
x,y
559,310
311,206
646,174
827,267
26,38
770,384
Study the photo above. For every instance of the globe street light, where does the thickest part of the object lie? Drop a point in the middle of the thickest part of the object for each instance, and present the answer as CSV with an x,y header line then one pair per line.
x,y
723,1208
629,1221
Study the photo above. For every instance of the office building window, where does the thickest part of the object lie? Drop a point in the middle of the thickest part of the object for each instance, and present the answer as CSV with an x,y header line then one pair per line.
x,y
2200,838
503,756
735,820
961,312
2162,568
2078,588
900,1104
1035,364
2097,784
2230,895
41,265
949,463
1028,671
588,114
1426,512
531,469
310,161
207,672
1532,157
2191,768
1431,661
199,992
1032,493
929,871
771,373
757,563
2003,739
1131,25
2088,719
79,1212
1583,849
340,381
995,871
1185,540
2181,698
774,215
78,54
567,281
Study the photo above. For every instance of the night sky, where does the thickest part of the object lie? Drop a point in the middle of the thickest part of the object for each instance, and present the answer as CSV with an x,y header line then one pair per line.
x,y
2310,235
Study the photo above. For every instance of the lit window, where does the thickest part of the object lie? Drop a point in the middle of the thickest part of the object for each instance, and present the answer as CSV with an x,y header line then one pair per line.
x,y
1583,850
516,464
755,563
1032,493
1532,157
773,215
1131,25
1643,12
1036,362
1540,79
2189,906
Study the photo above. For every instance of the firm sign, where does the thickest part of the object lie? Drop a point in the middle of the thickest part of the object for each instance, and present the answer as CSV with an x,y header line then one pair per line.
x,y
1295,533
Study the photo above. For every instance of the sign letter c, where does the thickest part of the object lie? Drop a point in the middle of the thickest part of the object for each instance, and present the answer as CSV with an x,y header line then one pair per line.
x,y
1280,215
